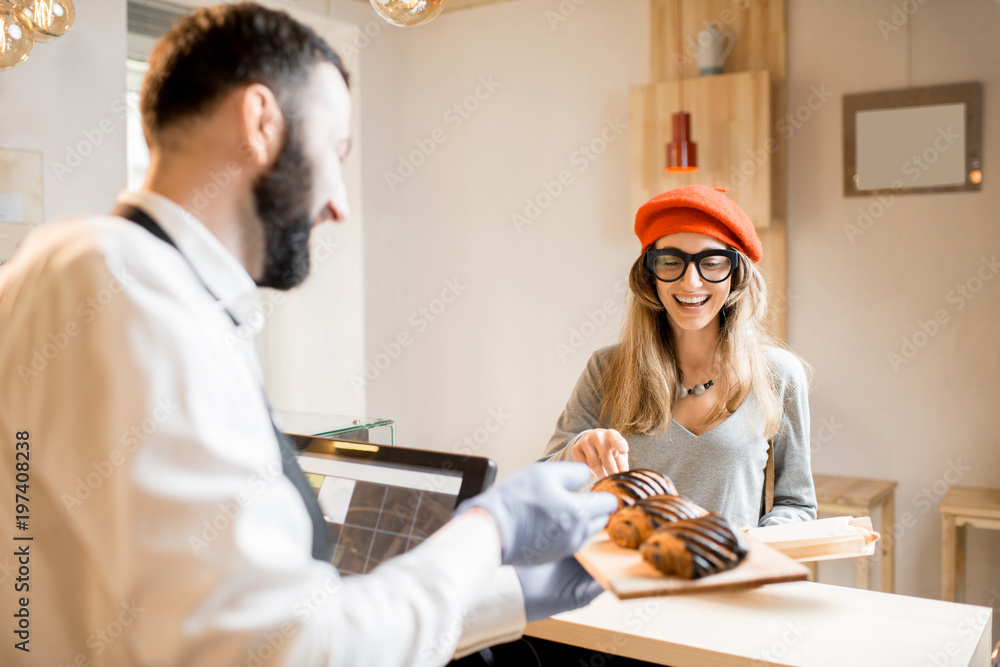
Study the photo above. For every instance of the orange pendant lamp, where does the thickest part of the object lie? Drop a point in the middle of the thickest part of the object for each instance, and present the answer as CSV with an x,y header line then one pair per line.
x,y
682,154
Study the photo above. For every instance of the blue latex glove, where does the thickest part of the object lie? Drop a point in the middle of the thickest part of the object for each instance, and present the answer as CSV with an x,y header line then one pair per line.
x,y
552,588
541,518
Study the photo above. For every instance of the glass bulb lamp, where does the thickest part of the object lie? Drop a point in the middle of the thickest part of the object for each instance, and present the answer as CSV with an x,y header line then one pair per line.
x,y
50,18
16,38
407,13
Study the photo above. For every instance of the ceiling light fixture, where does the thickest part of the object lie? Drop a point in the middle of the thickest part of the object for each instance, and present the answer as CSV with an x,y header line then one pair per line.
x,y
406,13
25,22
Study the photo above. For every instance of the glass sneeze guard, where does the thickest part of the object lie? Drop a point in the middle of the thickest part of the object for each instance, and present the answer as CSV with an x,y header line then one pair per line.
x,y
363,429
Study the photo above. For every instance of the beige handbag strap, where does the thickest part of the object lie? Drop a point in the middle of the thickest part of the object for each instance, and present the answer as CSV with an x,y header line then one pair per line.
x,y
769,479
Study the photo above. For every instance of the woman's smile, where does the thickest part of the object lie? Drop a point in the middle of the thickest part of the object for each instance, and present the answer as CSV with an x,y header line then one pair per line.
x,y
692,303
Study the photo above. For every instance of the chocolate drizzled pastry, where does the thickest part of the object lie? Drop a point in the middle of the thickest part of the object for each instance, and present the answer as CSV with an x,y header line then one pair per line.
x,y
693,548
630,526
634,485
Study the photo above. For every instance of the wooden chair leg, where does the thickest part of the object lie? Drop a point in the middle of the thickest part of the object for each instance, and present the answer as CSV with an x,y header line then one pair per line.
x,y
888,545
960,531
948,545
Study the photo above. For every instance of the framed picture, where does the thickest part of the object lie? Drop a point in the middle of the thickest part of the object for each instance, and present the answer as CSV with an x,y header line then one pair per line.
x,y
21,201
913,140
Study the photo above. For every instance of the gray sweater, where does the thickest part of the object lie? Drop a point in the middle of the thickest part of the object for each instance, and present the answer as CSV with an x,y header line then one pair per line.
x,y
721,470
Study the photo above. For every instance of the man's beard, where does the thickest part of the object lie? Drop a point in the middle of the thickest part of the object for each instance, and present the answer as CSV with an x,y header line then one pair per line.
x,y
282,199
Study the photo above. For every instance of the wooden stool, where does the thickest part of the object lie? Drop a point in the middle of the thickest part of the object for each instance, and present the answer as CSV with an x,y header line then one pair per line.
x,y
963,506
856,496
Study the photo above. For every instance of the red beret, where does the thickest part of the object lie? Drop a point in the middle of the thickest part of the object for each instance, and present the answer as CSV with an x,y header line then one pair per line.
x,y
701,210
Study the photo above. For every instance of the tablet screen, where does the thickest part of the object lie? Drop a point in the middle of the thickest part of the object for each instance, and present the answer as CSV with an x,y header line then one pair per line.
x,y
383,501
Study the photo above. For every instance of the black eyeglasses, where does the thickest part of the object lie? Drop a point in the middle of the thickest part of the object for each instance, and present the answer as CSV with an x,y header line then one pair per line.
x,y
669,264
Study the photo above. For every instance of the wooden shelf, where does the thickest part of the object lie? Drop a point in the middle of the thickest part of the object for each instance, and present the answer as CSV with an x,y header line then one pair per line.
x,y
730,123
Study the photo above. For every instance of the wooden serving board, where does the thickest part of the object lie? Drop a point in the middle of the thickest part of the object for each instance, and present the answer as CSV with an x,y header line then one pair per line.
x,y
623,571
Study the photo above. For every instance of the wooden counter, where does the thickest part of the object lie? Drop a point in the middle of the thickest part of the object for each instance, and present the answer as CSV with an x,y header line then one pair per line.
x,y
799,623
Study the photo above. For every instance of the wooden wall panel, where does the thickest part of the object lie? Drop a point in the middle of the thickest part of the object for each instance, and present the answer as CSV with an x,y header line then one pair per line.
x,y
774,265
730,118
760,28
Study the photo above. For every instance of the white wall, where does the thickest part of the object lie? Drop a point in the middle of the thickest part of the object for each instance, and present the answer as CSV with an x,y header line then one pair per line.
x,y
854,302
314,340
63,100
520,293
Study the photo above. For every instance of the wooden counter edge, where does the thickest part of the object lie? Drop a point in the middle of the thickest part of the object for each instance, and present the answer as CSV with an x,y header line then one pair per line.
x,y
623,644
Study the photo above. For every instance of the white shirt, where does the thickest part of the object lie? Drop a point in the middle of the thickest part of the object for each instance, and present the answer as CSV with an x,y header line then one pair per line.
x,y
163,530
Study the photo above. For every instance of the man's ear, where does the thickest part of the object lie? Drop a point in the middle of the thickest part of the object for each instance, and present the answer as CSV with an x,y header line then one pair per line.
x,y
263,125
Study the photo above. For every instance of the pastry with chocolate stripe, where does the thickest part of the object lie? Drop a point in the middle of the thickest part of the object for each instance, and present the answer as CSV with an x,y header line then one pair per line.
x,y
630,526
694,548
634,485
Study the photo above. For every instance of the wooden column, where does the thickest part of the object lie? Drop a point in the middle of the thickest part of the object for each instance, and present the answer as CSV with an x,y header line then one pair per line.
x,y
759,26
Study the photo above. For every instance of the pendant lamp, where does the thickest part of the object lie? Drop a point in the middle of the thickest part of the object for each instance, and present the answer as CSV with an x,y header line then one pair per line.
x,y
24,23
406,13
16,36
682,154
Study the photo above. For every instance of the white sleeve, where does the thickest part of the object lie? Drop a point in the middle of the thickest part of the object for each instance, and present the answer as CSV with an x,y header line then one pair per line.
x,y
497,618
794,492
418,608
157,488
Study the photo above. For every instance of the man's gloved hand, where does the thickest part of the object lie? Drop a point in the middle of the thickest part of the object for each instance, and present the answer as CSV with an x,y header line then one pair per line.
x,y
552,588
541,518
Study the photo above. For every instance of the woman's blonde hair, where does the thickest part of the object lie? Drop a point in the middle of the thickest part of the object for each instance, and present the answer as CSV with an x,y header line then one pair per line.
x,y
642,378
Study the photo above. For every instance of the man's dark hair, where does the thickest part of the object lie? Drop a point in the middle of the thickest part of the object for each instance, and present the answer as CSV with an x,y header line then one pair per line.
x,y
212,50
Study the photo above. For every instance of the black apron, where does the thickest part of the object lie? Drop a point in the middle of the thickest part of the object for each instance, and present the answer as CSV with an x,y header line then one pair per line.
x,y
322,545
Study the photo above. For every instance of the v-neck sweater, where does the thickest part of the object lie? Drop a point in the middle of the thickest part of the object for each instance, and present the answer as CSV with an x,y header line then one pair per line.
x,y
723,469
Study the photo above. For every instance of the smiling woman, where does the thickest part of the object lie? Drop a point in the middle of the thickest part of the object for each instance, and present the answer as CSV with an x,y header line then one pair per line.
x,y
697,389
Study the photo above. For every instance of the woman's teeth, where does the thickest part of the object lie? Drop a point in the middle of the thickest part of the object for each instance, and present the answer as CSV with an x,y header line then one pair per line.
x,y
691,302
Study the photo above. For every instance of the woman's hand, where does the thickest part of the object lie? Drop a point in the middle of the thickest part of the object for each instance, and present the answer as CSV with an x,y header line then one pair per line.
x,y
605,450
